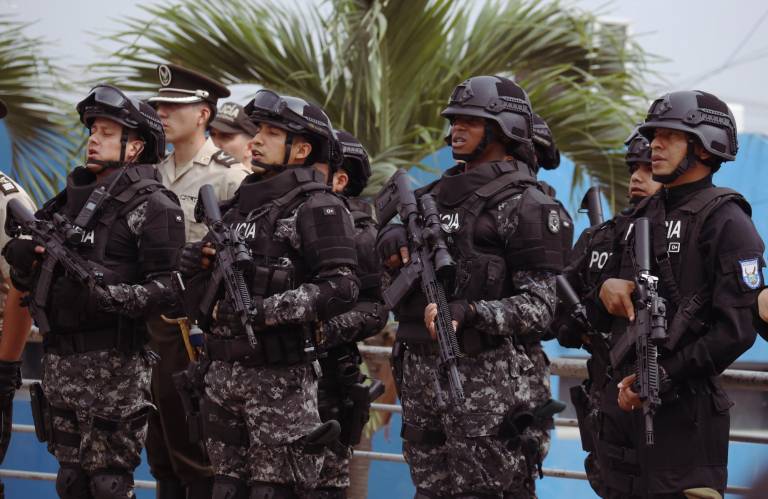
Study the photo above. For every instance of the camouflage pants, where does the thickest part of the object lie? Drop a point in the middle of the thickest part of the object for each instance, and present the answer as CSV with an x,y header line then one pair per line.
x,y
335,472
273,408
107,392
473,457
541,392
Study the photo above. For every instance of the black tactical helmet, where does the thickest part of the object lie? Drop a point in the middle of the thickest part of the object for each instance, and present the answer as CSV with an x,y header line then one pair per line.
x,y
499,100
3,109
356,163
700,114
638,150
547,153
297,117
106,101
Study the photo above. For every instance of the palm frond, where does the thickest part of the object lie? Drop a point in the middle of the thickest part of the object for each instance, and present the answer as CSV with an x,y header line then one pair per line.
x,y
43,138
383,69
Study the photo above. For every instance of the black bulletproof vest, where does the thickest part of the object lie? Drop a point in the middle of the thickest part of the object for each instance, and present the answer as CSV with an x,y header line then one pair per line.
x,y
473,241
107,243
678,261
566,222
254,213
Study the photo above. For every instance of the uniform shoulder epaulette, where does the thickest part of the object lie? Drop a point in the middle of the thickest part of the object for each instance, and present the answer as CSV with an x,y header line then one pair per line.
x,y
6,185
224,159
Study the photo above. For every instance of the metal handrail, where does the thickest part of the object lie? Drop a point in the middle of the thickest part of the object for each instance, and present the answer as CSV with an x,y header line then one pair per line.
x,y
565,367
577,368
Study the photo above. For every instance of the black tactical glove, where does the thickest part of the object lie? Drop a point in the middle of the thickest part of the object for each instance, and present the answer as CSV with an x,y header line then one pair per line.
x,y
462,312
390,239
20,254
10,380
191,258
225,316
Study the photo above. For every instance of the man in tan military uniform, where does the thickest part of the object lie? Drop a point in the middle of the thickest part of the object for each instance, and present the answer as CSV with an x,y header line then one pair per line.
x,y
186,104
15,317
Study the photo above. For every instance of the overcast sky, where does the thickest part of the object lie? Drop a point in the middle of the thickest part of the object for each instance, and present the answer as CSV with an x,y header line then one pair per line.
x,y
718,46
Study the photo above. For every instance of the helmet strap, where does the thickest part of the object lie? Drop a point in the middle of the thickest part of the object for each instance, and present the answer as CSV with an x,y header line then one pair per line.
x,y
684,165
277,168
487,138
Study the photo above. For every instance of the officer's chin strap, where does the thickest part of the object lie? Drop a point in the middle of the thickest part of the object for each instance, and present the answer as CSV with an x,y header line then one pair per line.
x,y
487,138
277,168
684,166
112,164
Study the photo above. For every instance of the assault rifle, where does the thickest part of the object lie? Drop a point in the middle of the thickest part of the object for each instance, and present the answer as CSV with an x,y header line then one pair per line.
x,y
232,257
648,331
431,264
58,236
592,205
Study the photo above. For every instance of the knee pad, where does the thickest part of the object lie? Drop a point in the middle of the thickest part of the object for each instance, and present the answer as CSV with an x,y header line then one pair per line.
x,y
112,485
264,490
226,487
72,482
329,493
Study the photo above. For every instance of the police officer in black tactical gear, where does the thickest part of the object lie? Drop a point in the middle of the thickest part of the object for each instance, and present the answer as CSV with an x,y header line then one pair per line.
x,y
707,256
504,235
93,404
260,399
342,394
591,258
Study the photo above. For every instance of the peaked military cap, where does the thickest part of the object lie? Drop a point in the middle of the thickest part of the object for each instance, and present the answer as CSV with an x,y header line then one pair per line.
x,y
3,110
231,118
184,86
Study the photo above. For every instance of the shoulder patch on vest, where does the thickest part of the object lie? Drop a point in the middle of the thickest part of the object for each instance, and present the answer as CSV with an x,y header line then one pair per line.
x,y
224,159
750,272
6,185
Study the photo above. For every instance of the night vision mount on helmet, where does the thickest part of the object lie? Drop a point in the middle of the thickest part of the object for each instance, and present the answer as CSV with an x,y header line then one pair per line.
x,y
106,101
701,115
297,117
498,100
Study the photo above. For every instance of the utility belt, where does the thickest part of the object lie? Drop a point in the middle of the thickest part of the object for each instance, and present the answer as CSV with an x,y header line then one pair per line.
x,y
126,337
280,348
472,343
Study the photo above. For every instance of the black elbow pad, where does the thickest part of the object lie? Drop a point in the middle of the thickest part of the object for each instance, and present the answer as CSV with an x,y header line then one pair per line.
x,y
337,296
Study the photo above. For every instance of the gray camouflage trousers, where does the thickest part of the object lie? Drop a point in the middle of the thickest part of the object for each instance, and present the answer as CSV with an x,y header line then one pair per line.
x,y
541,392
473,459
272,408
335,472
107,392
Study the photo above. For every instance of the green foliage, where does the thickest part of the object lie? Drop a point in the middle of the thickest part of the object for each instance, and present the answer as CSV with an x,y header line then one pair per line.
x,y
383,69
42,137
